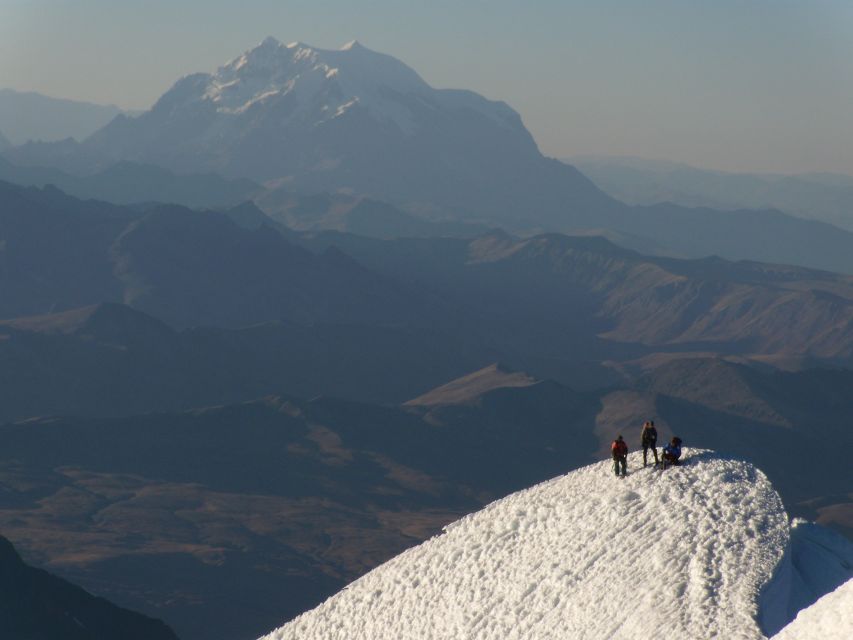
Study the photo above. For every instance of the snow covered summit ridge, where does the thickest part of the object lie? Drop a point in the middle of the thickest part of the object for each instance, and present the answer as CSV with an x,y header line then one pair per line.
x,y
311,85
690,551
330,81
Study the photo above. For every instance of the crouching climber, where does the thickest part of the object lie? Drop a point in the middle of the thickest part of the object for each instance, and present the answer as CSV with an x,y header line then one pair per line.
x,y
671,453
619,450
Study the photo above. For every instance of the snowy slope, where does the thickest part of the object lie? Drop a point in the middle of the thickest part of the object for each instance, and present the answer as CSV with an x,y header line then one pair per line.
x,y
817,561
324,82
830,618
585,555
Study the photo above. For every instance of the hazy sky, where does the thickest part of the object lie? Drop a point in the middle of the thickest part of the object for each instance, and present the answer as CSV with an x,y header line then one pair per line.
x,y
729,84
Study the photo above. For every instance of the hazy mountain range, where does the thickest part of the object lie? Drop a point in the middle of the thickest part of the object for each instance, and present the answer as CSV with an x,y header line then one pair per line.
x,y
26,115
349,119
816,196
129,183
312,121
546,295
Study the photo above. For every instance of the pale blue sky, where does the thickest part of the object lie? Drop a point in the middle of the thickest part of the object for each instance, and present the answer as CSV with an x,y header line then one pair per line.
x,y
729,84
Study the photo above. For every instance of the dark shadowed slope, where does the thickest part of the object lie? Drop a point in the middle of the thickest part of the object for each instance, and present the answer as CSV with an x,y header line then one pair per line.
x,y
110,360
551,293
191,268
185,267
35,605
259,510
55,250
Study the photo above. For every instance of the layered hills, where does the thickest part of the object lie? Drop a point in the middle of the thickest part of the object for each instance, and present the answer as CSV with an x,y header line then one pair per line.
x,y
816,196
316,121
111,360
186,267
352,317
130,183
546,296
572,285
26,115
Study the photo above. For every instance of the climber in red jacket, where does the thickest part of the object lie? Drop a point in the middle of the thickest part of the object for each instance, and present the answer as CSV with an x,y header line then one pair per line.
x,y
619,450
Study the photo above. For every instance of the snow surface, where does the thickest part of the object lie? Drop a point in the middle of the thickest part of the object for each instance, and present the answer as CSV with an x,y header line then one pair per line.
x,y
328,80
319,85
686,552
830,618
817,562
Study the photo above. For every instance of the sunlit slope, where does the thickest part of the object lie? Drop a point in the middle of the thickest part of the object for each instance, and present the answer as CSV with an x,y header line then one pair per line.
x,y
687,552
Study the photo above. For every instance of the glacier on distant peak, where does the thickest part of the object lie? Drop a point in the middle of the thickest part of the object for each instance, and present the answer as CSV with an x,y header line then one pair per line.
x,y
352,120
321,81
688,552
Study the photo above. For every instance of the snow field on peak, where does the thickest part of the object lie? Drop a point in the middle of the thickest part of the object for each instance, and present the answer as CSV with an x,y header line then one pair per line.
x,y
830,618
271,70
686,551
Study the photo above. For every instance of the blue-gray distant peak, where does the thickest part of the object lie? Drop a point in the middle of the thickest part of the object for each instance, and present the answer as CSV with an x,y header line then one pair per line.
x,y
348,119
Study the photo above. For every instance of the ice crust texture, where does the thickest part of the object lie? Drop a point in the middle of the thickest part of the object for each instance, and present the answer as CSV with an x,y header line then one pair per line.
x,y
686,552
830,618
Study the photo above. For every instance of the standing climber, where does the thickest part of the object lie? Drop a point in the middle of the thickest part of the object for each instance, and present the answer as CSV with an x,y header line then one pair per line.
x,y
619,450
649,438
671,453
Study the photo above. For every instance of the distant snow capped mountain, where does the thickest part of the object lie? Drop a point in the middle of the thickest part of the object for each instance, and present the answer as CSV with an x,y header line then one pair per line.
x,y
323,84
704,550
350,119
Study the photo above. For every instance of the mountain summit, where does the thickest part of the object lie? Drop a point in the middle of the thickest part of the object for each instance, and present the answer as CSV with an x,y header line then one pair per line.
x,y
352,119
700,551
321,84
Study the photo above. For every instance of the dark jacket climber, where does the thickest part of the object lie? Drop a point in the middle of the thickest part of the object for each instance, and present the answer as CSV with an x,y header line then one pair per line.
x,y
649,438
619,450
